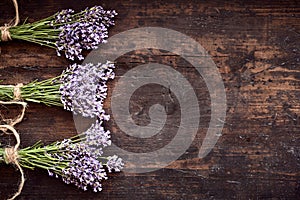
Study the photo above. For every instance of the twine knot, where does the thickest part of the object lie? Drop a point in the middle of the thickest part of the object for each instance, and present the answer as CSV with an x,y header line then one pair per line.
x,y
17,91
11,155
5,34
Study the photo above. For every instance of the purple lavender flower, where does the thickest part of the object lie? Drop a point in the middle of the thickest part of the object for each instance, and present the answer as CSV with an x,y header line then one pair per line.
x,y
86,30
63,16
114,163
84,170
84,89
99,16
97,138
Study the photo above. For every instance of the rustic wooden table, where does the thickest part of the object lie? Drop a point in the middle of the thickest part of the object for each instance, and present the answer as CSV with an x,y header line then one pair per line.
x,y
256,47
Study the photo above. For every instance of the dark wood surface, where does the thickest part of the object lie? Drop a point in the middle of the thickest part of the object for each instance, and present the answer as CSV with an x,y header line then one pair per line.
x,y
256,46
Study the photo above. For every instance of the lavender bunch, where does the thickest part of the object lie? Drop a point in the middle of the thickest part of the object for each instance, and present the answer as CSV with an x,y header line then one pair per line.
x,y
81,89
77,160
68,32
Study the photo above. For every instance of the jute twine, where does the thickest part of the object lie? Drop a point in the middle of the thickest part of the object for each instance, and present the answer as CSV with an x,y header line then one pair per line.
x,y
13,122
17,91
11,153
4,30
11,157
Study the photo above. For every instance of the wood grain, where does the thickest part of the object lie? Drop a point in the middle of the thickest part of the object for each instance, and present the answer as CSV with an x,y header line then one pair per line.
x,y
256,46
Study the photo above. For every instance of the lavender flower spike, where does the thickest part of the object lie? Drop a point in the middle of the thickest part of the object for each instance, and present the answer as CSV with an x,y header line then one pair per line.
x,y
84,89
97,138
114,163
84,170
86,32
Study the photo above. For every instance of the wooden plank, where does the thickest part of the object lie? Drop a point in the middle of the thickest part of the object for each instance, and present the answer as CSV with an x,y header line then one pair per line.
x,y
256,48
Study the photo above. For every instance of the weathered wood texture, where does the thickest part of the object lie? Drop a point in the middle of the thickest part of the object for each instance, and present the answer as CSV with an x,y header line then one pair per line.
x,y
256,46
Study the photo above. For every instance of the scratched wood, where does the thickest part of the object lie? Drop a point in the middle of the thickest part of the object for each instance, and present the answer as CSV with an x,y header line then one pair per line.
x,y
256,46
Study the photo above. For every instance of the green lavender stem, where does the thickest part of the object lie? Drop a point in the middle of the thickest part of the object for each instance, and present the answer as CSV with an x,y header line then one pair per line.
x,y
46,92
39,32
37,156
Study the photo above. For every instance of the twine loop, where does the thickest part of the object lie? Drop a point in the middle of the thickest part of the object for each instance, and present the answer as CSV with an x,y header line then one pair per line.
x,y
4,30
13,122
